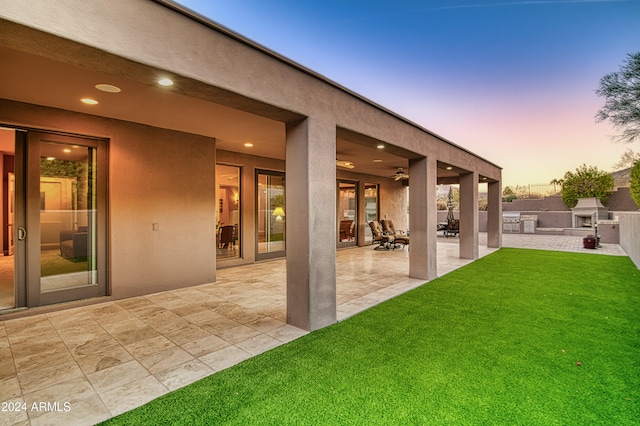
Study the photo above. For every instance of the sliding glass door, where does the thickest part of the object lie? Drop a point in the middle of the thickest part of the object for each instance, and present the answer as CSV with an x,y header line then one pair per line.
x,y
370,208
228,242
60,218
347,213
270,215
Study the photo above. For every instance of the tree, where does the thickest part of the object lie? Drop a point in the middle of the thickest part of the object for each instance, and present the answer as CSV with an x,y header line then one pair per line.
x,y
627,159
508,194
634,185
586,182
621,91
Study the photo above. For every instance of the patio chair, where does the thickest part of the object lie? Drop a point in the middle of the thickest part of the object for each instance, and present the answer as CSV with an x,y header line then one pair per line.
x,y
400,237
452,228
383,239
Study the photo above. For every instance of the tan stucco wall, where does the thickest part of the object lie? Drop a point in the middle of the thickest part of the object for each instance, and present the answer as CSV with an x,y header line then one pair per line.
x,y
149,182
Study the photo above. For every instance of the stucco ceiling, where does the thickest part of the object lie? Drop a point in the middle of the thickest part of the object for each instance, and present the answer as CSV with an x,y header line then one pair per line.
x,y
44,81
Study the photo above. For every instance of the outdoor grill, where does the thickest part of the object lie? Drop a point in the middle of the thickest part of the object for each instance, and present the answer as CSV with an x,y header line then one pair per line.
x,y
511,222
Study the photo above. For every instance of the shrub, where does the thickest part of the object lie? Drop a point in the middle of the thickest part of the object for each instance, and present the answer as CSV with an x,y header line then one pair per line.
x,y
634,184
586,182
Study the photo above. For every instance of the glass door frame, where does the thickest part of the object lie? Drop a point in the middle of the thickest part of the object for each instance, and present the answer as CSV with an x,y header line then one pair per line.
x,y
27,159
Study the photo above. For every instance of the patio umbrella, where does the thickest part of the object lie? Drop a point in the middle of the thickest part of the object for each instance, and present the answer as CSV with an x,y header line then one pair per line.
x,y
450,205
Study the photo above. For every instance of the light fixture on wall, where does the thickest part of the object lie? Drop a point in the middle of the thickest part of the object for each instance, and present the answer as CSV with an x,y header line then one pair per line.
x,y
278,212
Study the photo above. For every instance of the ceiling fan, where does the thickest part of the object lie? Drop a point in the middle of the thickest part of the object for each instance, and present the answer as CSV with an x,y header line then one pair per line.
x,y
400,174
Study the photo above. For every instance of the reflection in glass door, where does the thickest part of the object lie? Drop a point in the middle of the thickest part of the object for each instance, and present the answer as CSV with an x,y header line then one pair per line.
x,y
370,207
67,216
228,222
347,213
271,215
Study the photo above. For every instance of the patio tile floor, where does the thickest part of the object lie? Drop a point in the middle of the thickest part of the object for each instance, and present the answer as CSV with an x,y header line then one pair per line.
x,y
87,364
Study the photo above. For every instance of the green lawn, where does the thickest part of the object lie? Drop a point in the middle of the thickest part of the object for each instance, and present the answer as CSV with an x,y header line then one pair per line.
x,y
520,337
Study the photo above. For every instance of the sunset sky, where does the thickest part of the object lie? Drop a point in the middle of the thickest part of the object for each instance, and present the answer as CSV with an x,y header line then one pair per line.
x,y
512,81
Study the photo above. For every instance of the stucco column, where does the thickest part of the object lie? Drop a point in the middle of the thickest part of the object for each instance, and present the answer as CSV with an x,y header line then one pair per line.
x,y
311,223
423,220
494,214
469,216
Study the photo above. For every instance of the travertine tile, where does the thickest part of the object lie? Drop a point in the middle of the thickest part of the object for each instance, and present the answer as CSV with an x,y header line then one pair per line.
x,y
225,358
238,334
144,348
10,389
130,333
265,324
88,344
259,344
116,376
184,374
71,391
7,365
16,416
69,318
166,359
27,326
219,325
187,334
286,333
205,345
203,317
44,356
104,358
87,411
46,376
132,394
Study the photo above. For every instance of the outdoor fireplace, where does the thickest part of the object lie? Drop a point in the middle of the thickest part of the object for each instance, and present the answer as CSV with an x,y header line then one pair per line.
x,y
587,213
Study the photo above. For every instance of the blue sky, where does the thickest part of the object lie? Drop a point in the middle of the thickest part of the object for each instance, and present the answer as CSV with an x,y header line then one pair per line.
x,y
512,81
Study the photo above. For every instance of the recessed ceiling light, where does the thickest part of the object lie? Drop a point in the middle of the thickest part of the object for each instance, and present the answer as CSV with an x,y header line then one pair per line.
x,y
67,150
449,168
89,101
109,88
345,164
165,82
248,144
51,158
377,161
380,146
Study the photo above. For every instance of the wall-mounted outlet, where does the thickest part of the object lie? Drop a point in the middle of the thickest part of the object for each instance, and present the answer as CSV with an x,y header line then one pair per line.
x,y
155,226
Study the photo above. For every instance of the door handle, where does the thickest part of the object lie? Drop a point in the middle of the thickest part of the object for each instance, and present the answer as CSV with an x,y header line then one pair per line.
x,y
22,233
